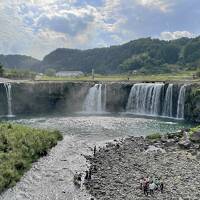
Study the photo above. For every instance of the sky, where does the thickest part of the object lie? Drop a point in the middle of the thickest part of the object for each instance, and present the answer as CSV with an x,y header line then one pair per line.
x,y
37,27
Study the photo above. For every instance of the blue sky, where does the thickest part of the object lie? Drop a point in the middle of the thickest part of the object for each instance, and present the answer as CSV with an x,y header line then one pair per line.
x,y
37,27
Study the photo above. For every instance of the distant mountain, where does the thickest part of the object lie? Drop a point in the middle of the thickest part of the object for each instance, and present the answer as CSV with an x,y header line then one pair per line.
x,y
20,62
144,55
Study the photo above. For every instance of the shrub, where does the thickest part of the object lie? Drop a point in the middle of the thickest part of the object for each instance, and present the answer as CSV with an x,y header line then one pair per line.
x,y
154,136
20,146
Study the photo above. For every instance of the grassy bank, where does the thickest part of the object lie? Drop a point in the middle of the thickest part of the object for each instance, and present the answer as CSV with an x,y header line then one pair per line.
x,y
181,76
20,146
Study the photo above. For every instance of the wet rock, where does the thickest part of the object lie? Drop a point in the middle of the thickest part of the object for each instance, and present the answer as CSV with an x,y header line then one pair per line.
x,y
195,137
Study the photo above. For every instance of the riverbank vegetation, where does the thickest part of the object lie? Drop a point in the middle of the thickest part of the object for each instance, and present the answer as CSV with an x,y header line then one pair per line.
x,y
20,146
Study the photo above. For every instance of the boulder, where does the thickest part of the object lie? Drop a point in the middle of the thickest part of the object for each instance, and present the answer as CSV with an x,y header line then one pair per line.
x,y
185,144
170,142
195,137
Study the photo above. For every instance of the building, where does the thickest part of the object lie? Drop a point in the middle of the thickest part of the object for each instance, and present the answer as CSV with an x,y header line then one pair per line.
x,y
69,73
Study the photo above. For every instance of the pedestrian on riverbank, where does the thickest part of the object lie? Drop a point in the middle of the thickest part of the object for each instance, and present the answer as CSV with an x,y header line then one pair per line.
x,y
152,187
86,175
161,186
141,183
157,183
145,186
95,150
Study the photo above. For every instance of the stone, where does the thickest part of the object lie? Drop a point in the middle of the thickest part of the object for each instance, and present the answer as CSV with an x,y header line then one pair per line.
x,y
195,137
170,142
185,144
198,156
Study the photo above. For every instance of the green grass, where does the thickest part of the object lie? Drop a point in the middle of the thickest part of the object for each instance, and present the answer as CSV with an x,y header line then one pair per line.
x,y
20,146
154,136
181,76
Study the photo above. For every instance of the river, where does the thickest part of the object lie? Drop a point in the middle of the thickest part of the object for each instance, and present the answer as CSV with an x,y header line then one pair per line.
x,y
51,178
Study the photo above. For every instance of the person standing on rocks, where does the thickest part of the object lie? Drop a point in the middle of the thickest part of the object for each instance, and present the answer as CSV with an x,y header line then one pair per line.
x,y
141,183
152,187
145,187
86,175
161,186
95,150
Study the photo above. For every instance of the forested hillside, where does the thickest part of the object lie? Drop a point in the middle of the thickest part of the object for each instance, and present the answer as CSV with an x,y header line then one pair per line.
x,y
20,62
144,55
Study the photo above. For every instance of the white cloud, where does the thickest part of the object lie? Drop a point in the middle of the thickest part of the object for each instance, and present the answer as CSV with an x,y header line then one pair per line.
x,y
175,35
36,27
162,5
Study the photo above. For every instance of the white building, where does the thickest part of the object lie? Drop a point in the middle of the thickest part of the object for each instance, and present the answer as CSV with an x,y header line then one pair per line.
x,y
69,73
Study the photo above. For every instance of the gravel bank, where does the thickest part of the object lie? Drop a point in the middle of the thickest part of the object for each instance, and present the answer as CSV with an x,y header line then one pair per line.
x,y
118,167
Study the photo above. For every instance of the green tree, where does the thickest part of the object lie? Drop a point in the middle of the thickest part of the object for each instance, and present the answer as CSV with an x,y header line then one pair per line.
x,y
1,70
50,72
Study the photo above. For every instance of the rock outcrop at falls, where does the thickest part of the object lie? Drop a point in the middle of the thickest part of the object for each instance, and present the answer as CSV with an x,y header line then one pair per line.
x,y
192,103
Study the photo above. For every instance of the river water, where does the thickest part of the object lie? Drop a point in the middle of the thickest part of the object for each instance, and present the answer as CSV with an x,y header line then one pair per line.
x,y
51,178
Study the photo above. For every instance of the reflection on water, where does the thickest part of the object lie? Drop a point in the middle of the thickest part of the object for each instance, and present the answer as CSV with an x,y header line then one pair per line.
x,y
51,177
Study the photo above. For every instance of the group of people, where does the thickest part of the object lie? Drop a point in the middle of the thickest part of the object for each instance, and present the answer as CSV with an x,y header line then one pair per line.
x,y
151,184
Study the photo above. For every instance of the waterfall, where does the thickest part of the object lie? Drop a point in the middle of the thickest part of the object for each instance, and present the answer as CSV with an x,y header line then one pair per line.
x,y
145,98
181,102
105,97
95,101
168,102
9,98
152,99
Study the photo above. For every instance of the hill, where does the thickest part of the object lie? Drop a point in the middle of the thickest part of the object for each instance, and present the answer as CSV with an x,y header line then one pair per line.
x,y
144,55
19,62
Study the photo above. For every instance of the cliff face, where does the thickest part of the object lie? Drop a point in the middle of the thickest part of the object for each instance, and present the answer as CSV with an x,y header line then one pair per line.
x,y
44,98
38,98
192,103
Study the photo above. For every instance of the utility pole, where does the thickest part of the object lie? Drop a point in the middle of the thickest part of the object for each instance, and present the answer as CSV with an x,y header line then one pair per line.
x,y
92,74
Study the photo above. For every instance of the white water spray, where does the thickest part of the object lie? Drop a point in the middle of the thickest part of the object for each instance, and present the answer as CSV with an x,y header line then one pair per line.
x,y
168,102
95,101
145,98
8,88
181,102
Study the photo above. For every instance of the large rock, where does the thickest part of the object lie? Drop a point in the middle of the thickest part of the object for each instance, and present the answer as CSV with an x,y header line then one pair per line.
x,y
185,144
195,137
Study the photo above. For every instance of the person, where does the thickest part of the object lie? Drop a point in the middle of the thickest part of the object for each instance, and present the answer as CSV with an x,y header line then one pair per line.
x,y
152,188
76,179
79,178
147,180
90,174
95,149
145,187
86,175
161,186
141,183
157,183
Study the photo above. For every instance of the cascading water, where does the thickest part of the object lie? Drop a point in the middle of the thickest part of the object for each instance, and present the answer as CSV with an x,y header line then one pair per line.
x,y
145,98
153,99
95,101
8,88
181,103
168,102
105,97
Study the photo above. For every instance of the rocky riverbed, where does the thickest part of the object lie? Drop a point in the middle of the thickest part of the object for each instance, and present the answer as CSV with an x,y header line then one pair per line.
x,y
118,167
